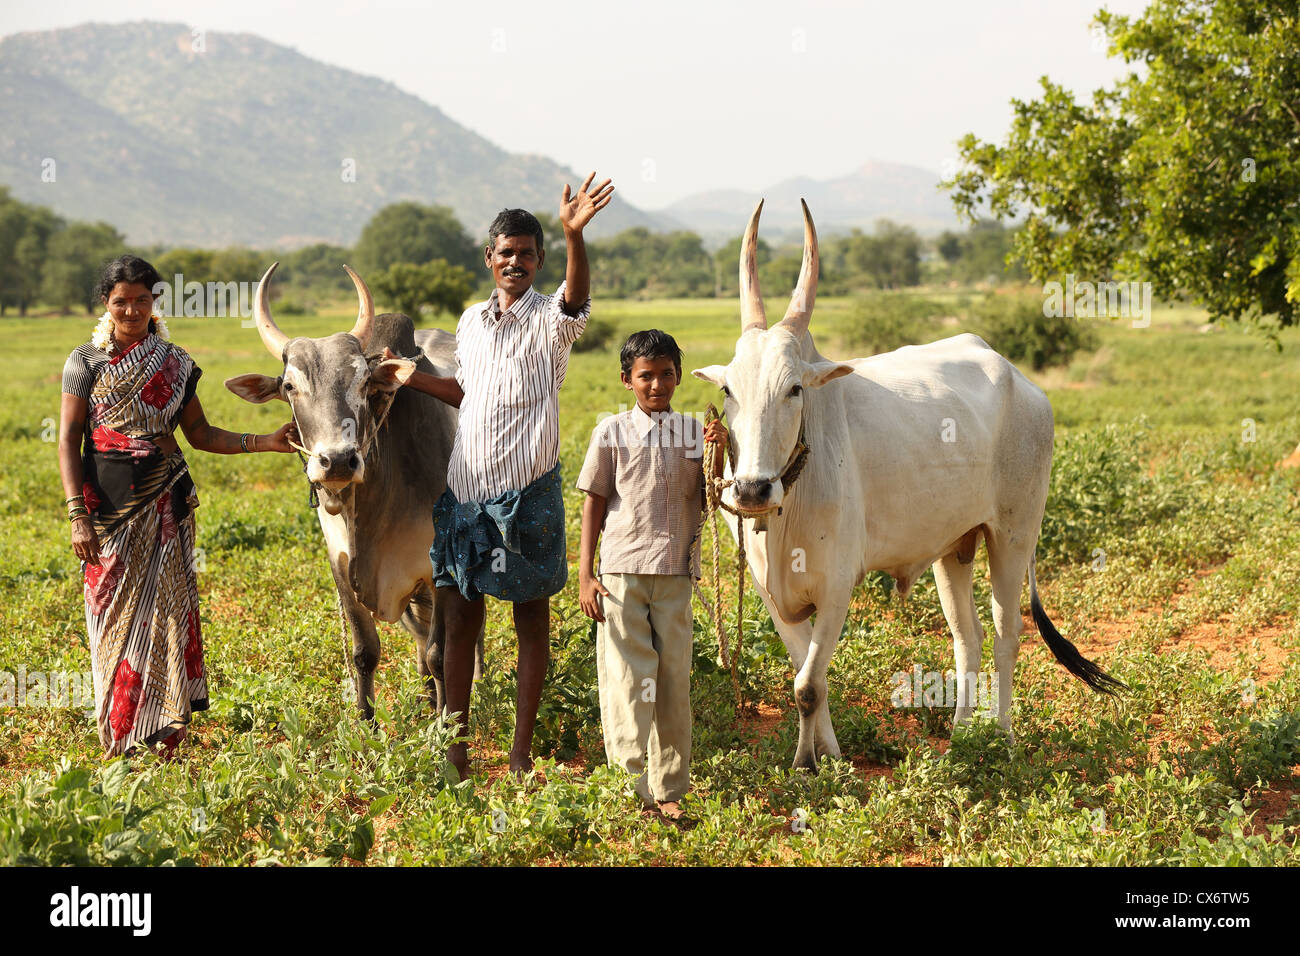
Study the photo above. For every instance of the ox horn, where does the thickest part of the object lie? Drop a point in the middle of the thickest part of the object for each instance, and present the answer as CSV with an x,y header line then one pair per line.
x,y
272,337
752,315
801,302
365,310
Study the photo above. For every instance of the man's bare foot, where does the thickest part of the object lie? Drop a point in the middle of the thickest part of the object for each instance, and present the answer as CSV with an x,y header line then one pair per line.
x,y
521,766
458,757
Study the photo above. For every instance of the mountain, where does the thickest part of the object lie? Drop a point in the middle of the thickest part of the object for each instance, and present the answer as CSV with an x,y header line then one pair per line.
x,y
242,142
907,195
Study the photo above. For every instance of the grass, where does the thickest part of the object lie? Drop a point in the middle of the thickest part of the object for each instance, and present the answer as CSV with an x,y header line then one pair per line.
x,y
1171,554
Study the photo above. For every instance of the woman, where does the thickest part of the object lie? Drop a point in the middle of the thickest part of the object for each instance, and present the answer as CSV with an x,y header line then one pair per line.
x,y
130,503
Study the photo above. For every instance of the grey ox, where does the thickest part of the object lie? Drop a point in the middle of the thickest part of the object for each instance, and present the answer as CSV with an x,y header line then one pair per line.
x,y
914,455
376,486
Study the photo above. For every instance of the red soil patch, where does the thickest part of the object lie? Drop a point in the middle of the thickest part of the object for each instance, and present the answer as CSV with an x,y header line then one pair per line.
x,y
1272,805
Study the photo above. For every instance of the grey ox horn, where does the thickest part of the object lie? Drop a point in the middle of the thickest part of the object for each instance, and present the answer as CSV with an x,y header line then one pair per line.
x,y
272,337
365,310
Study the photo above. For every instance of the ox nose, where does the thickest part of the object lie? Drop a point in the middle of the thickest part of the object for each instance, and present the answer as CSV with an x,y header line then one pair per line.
x,y
339,463
751,493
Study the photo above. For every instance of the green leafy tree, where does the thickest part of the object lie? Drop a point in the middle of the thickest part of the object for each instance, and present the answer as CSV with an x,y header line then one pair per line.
x,y
1184,174
76,254
726,265
25,232
437,284
411,233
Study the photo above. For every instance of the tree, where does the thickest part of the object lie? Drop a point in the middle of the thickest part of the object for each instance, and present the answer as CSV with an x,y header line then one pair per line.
x,y
76,255
1186,176
411,233
25,232
441,286
726,265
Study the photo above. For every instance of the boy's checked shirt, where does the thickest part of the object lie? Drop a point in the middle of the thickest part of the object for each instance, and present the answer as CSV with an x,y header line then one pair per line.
x,y
510,366
650,470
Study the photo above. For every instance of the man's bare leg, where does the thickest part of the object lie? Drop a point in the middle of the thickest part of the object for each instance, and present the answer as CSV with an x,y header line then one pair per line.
x,y
463,621
533,630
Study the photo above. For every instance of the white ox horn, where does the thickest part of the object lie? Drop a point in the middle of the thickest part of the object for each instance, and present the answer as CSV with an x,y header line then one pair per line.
x,y
801,302
752,315
272,337
365,310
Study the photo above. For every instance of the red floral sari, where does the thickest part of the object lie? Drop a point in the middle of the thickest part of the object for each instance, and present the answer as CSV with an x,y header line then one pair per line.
x,y
142,601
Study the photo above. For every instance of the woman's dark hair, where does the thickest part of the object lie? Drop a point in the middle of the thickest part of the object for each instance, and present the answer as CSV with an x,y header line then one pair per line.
x,y
650,344
514,222
130,269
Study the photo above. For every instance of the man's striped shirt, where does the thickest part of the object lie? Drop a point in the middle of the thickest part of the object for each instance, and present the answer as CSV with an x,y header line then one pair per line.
x,y
510,366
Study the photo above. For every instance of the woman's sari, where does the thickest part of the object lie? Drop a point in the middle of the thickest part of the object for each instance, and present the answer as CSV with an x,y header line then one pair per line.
x,y
142,599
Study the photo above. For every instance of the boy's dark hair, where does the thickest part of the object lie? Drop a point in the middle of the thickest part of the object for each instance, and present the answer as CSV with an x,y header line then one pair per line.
x,y
515,222
650,344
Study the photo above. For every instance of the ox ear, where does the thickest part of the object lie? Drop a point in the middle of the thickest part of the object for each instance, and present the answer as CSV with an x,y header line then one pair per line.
x,y
254,388
816,374
716,374
390,374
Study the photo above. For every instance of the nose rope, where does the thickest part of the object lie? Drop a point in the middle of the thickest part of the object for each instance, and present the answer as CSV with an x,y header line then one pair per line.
x,y
713,488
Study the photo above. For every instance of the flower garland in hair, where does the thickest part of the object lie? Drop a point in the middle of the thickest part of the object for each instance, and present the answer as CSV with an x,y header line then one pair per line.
x,y
102,338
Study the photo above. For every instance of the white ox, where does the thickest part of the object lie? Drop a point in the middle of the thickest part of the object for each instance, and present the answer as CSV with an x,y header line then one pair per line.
x,y
913,455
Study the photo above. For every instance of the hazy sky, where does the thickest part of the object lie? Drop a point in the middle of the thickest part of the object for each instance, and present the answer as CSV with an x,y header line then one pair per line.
x,y
673,97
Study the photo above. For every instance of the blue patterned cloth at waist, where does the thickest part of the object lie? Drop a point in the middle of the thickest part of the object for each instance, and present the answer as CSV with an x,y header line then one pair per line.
x,y
511,546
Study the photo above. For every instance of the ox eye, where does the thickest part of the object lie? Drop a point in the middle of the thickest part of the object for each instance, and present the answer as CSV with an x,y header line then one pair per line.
x,y
726,391
288,386
797,390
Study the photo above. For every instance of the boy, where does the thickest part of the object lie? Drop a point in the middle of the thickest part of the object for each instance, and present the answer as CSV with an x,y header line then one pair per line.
x,y
644,480
500,523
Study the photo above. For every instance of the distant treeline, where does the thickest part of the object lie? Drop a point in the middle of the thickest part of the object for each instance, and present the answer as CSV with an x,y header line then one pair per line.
x,y
419,257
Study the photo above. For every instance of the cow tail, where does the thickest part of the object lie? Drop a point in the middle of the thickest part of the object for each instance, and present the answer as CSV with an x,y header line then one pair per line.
x,y
1063,650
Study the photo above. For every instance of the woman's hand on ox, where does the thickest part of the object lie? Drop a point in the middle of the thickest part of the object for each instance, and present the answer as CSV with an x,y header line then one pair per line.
x,y
85,543
279,439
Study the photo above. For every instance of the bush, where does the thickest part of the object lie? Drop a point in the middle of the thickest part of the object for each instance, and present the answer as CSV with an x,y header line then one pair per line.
x,y
1100,491
1018,328
596,337
884,321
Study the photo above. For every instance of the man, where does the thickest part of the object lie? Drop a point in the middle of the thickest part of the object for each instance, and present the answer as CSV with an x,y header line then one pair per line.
x,y
500,524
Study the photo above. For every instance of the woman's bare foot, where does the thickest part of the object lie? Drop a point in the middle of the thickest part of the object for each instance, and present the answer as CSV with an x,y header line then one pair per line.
x,y
169,747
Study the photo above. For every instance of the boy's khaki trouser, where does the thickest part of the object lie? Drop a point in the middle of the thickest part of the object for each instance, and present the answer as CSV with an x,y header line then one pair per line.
x,y
643,659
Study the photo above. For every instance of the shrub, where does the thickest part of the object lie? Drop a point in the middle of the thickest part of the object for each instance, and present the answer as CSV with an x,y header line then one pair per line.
x,y
596,337
884,321
1017,327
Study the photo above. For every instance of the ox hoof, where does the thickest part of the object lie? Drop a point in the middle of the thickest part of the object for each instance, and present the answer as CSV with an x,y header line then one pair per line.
x,y
806,763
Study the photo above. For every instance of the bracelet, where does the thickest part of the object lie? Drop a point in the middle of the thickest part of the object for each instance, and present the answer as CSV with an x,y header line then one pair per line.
x,y
243,442
68,501
254,443
79,513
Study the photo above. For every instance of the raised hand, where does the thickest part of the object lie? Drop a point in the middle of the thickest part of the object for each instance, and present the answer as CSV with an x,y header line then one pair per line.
x,y
576,211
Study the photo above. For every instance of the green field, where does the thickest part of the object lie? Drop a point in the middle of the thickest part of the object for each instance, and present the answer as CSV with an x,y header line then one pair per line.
x,y
1170,554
